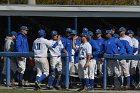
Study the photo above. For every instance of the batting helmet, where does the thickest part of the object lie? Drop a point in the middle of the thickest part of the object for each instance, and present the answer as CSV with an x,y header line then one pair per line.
x,y
90,33
84,35
116,36
68,30
41,33
13,33
130,32
85,30
108,32
74,32
54,32
24,28
98,31
122,29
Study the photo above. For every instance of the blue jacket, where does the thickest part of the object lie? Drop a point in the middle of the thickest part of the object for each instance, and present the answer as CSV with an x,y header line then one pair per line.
x,y
127,48
100,42
22,43
113,46
67,42
95,48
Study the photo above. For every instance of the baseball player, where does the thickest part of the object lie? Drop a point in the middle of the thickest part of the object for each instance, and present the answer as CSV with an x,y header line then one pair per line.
x,y
40,48
9,46
138,38
75,59
55,60
71,65
99,40
22,46
95,52
85,62
128,48
76,44
113,46
67,43
133,63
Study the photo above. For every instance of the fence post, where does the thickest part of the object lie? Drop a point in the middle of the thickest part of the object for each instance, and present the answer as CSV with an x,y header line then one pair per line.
x,y
105,75
7,71
67,72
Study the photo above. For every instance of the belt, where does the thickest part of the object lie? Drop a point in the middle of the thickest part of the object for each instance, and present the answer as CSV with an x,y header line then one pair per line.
x,y
82,58
56,56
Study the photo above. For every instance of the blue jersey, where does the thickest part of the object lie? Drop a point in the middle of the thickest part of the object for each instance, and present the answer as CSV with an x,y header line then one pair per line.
x,y
22,43
67,43
77,44
127,48
100,42
95,48
113,46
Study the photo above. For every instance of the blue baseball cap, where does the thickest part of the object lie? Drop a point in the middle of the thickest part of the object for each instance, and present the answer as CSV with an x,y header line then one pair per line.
x,y
108,32
13,33
122,29
74,32
54,32
85,30
24,28
98,31
130,32
84,35
90,33
68,30
116,36
41,33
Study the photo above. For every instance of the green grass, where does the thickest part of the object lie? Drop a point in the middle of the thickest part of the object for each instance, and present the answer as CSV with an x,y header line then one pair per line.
x,y
30,91
23,91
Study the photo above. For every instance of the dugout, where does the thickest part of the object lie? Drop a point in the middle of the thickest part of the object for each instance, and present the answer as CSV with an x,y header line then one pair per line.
x,y
58,17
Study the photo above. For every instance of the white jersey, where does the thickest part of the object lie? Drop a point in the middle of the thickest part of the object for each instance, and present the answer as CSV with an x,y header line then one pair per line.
x,y
57,50
9,45
40,47
135,44
84,50
127,38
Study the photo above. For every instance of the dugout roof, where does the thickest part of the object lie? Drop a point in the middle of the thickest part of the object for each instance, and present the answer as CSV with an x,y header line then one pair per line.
x,y
70,11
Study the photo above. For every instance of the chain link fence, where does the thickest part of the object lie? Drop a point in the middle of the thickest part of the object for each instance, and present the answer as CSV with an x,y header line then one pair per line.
x,y
75,2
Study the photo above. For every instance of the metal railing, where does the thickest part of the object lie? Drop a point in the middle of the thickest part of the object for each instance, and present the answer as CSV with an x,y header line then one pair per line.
x,y
109,56
18,54
106,56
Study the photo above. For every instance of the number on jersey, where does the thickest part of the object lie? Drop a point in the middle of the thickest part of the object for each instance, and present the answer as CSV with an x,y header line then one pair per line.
x,y
38,46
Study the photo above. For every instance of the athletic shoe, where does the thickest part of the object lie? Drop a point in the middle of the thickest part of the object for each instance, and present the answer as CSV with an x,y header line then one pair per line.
x,y
49,87
57,87
37,86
